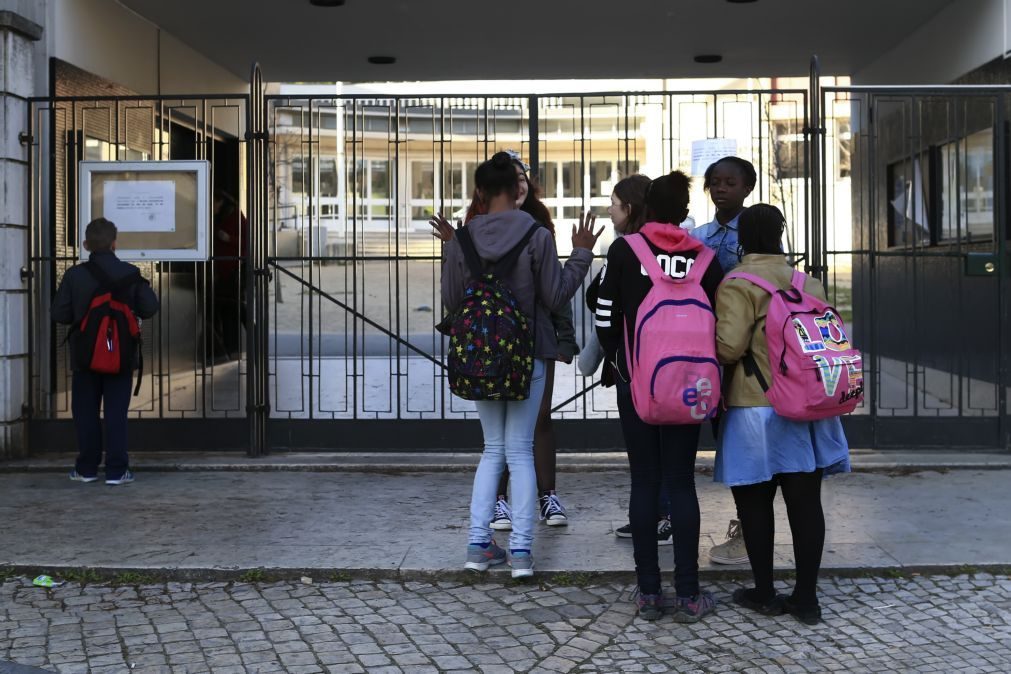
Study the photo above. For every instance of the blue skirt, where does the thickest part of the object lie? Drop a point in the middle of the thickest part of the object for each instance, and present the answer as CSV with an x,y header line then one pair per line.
x,y
755,443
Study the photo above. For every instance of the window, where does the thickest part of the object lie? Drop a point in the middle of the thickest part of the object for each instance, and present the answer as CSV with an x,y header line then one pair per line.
x,y
601,182
789,150
422,180
379,186
572,183
844,143
298,176
547,174
328,178
908,205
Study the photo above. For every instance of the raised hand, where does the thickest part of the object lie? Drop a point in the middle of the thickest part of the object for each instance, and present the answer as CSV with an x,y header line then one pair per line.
x,y
583,236
441,227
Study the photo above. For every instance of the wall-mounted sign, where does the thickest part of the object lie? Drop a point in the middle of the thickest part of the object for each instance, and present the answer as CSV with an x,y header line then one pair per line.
x,y
160,208
709,151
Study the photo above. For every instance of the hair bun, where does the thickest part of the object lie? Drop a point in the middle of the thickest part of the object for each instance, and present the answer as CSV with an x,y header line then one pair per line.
x,y
501,160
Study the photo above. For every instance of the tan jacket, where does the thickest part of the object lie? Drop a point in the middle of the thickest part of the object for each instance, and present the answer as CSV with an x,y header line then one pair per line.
x,y
741,307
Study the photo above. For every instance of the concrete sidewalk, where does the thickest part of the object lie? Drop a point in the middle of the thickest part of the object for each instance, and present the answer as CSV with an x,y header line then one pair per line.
x,y
220,523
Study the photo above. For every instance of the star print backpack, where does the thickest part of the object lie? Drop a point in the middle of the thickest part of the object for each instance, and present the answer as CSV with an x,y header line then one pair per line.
x,y
491,341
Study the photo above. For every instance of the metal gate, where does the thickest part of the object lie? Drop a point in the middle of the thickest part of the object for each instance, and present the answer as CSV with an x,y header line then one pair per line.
x,y
353,358
897,204
924,265
194,393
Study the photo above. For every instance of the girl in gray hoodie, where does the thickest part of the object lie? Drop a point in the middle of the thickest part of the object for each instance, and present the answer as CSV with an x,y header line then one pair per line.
x,y
541,285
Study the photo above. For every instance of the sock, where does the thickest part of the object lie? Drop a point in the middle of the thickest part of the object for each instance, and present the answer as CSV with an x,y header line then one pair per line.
x,y
519,551
483,546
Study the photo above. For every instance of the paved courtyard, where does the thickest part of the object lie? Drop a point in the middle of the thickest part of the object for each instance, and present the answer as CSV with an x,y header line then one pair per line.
x,y
872,624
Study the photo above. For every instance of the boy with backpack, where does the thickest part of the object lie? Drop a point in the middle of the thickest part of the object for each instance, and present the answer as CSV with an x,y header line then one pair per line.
x,y
102,300
501,280
656,324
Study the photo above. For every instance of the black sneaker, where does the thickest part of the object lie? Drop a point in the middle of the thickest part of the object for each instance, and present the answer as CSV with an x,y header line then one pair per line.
x,y
552,512
624,532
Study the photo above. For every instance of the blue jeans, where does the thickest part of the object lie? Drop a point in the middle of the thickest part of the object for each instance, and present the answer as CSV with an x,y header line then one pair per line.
x,y
508,428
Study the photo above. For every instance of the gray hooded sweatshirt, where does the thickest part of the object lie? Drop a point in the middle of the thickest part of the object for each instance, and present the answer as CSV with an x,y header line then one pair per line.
x,y
539,281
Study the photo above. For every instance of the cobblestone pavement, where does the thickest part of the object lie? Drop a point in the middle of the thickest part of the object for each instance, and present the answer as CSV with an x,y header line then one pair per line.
x,y
915,624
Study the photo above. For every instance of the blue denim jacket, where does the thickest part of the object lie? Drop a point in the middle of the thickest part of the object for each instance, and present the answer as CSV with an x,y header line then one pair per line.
x,y
722,239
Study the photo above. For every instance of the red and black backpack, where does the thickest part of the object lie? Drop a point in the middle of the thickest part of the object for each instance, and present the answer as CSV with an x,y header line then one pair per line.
x,y
110,339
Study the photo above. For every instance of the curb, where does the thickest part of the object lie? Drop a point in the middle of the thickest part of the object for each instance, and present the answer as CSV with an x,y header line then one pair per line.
x,y
141,576
409,468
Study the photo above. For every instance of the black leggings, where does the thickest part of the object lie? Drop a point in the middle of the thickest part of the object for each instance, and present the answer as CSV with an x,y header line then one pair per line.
x,y
802,493
661,455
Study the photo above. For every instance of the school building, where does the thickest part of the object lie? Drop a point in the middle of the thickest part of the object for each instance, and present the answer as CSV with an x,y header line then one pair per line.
x,y
888,154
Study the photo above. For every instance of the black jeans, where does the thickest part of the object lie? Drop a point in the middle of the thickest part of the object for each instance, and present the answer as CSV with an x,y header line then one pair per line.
x,y
90,391
661,455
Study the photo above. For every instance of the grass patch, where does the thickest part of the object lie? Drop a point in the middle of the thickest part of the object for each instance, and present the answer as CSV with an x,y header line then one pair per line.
x,y
573,579
339,577
83,575
133,578
253,576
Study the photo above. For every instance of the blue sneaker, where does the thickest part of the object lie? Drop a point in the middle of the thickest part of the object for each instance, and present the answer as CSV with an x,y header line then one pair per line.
x,y
523,564
480,558
77,477
125,478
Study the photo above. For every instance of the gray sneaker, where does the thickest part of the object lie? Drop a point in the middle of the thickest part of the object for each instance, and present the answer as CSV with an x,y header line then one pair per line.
x,y
731,551
480,558
522,563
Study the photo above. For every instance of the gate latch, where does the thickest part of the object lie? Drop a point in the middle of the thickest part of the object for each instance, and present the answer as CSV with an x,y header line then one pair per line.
x,y
981,264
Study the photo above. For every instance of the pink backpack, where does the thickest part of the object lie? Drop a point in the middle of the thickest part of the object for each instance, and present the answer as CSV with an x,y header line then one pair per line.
x,y
816,372
675,374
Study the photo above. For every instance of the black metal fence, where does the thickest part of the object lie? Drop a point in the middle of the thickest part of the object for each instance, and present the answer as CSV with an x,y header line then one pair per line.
x,y
329,343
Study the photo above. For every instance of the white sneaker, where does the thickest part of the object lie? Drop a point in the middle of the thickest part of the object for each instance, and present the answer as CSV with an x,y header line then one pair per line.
x,y
502,520
732,550
664,532
125,478
552,511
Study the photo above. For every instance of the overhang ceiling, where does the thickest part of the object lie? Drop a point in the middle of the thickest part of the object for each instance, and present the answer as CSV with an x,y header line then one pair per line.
x,y
537,39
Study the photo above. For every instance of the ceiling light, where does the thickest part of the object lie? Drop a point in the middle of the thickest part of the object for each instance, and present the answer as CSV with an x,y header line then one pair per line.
x,y
327,3
708,58
383,60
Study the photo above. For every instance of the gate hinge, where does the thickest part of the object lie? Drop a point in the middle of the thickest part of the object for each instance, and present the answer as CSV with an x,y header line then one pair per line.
x,y
257,135
814,129
26,274
26,138
26,411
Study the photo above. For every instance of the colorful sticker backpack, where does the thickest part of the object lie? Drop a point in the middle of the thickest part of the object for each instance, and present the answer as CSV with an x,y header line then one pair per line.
x,y
675,374
816,372
110,335
491,342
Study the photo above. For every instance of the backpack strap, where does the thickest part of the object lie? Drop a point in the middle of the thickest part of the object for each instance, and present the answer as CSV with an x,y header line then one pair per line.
x,y
798,280
470,252
756,280
702,261
646,257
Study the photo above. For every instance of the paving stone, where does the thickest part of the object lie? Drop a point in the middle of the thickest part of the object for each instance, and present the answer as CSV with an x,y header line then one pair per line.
x,y
921,624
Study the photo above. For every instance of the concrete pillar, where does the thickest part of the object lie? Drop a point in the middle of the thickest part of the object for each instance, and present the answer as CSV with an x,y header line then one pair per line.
x,y
17,84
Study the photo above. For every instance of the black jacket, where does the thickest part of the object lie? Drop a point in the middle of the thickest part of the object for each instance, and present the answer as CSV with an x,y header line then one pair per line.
x,y
78,286
624,285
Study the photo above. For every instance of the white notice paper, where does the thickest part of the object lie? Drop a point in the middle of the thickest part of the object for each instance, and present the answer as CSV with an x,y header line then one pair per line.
x,y
709,151
141,205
